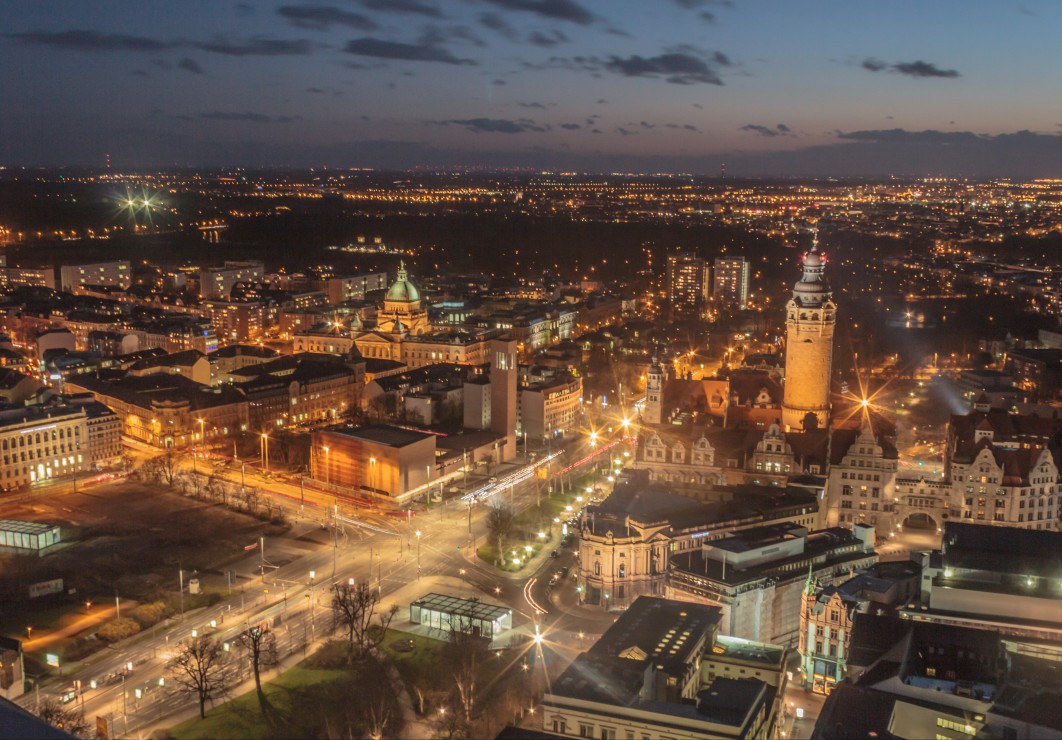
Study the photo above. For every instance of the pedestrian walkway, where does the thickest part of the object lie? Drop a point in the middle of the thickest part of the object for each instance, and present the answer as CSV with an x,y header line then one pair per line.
x,y
81,624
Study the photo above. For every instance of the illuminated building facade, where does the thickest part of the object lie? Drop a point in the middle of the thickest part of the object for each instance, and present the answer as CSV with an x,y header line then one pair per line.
x,y
810,318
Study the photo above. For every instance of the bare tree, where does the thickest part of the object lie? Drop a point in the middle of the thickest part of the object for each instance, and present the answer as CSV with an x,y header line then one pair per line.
x,y
199,667
354,609
217,486
54,713
261,646
465,650
500,519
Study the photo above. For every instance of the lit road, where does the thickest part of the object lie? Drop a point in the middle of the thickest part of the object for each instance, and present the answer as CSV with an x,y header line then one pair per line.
x,y
384,550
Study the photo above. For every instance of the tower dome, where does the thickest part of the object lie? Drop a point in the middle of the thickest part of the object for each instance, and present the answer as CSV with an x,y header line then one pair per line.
x,y
401,289
812,288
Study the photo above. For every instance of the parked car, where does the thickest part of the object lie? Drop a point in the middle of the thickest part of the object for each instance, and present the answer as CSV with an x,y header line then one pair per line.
x,y
554,554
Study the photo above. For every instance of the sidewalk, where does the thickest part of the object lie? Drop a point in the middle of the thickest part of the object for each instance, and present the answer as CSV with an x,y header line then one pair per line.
x,y
79,625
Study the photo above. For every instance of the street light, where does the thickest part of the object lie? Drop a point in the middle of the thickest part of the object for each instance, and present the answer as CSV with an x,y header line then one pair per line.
x,y
372,474
265,451
418,551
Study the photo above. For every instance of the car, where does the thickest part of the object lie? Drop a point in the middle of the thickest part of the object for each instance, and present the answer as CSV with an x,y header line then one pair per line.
x,y
554,554
553,579
563,571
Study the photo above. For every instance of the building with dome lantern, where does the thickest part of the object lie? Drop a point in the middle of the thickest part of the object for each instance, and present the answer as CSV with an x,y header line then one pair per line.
x,y
811,316
403,312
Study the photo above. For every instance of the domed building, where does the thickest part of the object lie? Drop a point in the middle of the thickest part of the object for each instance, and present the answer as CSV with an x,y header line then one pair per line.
x,y
401,317
402,310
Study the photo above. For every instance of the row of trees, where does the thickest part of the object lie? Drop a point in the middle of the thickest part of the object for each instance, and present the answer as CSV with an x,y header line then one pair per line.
x,y
168,470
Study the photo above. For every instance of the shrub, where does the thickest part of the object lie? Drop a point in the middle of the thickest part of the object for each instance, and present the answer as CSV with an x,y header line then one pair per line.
x,y
81,649
150,614
118,629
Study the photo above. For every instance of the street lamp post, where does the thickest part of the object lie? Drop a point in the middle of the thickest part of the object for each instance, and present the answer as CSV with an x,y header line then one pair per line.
x,y
313,611
418,553
265,451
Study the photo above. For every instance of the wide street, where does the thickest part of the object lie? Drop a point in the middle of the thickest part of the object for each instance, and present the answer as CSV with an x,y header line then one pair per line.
x,y
288,589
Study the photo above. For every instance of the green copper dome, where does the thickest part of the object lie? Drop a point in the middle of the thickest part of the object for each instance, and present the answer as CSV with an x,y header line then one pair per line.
x,y
401,289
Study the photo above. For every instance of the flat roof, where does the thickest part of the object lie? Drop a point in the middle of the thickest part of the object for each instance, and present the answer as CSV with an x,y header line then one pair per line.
x,y
384,434
14,525
461,607
737,648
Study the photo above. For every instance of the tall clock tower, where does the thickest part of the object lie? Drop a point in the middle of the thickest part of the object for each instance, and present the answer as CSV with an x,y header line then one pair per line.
x,y
811,316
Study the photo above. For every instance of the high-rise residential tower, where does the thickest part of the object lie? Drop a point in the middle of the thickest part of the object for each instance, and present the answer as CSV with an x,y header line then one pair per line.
x,y
686,284
810,318
730,282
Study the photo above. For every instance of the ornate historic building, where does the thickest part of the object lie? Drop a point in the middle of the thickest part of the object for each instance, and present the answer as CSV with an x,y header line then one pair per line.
x,y
810,319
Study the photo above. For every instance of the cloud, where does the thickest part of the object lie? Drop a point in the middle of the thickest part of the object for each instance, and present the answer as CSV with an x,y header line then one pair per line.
x,y
570,126
494,125
499,81
780,130
624,132
532,105
923,69
676,67
409,7
917,68
547,39
495,22
369,47
190,65
218,115
562,10
257,46
929,136
83,40
322,17
436,36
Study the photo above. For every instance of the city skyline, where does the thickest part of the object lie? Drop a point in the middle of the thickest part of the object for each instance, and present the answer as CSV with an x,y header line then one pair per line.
x,y
681,86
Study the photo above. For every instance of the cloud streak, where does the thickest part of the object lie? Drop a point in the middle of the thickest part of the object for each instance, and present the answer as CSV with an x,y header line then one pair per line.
x,y
381,49
83,40
323,17
246,117
494,125
917,68
769,131
561,10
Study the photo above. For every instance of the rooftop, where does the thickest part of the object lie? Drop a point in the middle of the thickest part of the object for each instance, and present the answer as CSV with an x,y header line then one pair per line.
x,y
384,434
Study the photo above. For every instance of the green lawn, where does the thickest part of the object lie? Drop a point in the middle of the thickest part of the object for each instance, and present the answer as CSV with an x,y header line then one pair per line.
x,y
242,716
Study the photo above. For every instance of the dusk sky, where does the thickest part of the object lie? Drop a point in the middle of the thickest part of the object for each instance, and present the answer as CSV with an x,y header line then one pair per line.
x,y
842,88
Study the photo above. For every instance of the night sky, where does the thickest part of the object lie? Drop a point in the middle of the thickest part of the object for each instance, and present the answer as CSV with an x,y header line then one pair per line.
x,y
787,88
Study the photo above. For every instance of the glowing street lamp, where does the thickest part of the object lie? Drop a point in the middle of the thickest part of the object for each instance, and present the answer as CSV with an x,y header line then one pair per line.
x,y
265,451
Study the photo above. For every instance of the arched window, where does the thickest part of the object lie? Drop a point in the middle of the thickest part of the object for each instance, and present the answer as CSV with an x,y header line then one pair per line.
x,y
597,567
623,570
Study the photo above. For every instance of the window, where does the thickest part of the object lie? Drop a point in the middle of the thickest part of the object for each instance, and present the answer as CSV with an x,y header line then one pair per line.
x,y
586,730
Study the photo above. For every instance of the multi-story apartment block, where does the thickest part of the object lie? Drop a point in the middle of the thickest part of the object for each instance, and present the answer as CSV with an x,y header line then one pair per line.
x,y
687,284
73,278
217,282
353,287
548,407
730,281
